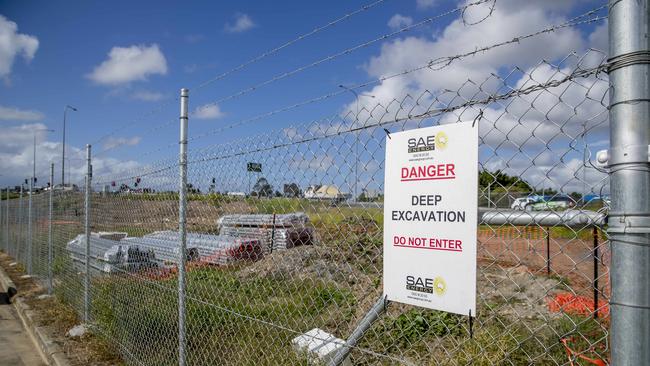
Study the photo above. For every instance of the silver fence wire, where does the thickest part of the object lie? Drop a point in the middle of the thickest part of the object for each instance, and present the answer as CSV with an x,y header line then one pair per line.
x,y
284,235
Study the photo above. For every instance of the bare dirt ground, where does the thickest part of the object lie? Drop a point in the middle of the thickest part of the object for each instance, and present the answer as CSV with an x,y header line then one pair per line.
x,y
570,259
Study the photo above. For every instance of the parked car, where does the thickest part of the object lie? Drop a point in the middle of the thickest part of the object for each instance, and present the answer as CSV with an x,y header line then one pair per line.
x,y
521,203
553,203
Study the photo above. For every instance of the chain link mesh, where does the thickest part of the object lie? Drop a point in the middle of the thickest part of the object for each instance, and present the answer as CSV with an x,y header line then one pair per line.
x,y
314,259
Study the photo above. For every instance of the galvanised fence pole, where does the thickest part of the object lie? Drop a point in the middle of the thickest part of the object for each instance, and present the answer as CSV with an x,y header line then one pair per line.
x,y
49,232
4,245
29,226
20,225
87,232
182,207
7,221
629,218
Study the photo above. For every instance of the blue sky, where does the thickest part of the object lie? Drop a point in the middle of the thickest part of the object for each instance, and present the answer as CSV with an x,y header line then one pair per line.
x,y
183,44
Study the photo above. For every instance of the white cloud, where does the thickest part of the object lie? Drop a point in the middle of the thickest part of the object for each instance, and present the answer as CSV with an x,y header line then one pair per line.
x,y
509,19
127,64
15,114
13,44
16,156
148,96
113,142
208,111
424,4
313,163
242,23
536,136
399,21
599,39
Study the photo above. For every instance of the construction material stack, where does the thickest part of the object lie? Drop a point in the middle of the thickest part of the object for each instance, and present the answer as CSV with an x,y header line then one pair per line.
x,y
109,256
275,232
206,248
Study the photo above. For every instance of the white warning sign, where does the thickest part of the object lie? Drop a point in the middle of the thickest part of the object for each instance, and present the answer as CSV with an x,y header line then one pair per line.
x,y
430,216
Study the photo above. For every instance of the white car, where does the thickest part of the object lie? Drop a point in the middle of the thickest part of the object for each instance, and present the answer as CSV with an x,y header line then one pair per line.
x,y
521,203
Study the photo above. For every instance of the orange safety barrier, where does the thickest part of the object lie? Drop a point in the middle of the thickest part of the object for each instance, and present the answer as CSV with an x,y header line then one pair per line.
x,y
571,354
578,305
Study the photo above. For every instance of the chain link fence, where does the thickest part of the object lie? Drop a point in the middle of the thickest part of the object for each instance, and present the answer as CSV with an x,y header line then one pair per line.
x,y
284,235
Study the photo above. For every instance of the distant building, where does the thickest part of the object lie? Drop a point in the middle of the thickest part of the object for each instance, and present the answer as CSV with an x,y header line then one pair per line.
x,y
325,192
310,192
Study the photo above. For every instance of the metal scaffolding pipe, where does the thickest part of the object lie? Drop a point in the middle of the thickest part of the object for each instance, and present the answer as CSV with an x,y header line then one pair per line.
x,y
568,218
629,172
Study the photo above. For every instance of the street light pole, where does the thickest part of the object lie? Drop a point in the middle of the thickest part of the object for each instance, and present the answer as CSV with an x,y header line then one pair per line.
x,y
65,110
356,145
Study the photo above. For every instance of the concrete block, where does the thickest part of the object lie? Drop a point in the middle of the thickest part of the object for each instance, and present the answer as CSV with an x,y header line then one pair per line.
x,y
320,346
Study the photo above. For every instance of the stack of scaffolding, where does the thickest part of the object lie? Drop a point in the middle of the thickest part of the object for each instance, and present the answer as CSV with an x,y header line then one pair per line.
x,y
109,255
213,249
275,232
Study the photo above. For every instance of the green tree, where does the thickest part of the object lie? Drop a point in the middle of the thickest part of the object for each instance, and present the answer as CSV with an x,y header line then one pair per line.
x,y
499,180
262,188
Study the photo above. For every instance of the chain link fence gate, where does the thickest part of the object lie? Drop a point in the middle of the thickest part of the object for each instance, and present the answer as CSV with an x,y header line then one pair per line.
x,y
284,235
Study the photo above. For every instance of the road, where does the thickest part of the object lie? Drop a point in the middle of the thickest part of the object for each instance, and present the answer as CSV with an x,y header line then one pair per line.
x,y
16,347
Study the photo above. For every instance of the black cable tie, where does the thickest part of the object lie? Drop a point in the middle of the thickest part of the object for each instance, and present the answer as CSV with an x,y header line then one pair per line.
x,y
478,117
387,133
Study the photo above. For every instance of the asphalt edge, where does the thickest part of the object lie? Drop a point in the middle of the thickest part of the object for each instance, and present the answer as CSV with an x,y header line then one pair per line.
x,y
49,351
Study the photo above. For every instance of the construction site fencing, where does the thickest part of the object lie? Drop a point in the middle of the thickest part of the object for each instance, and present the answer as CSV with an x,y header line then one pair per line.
x,y
272,254
267,262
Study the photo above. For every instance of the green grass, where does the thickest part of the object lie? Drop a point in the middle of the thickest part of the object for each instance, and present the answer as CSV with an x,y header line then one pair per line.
x,y
444,338
233,313
228,318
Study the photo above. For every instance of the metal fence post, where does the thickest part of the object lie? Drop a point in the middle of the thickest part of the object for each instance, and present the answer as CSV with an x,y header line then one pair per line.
x,y
371,316
5,244
20,225
629,217
595,285
7,222
49,232
87,232
182,206
29,226
548,251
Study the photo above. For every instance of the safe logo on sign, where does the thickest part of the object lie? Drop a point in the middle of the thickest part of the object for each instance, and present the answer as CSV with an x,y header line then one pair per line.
x,y
428,143
426,285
